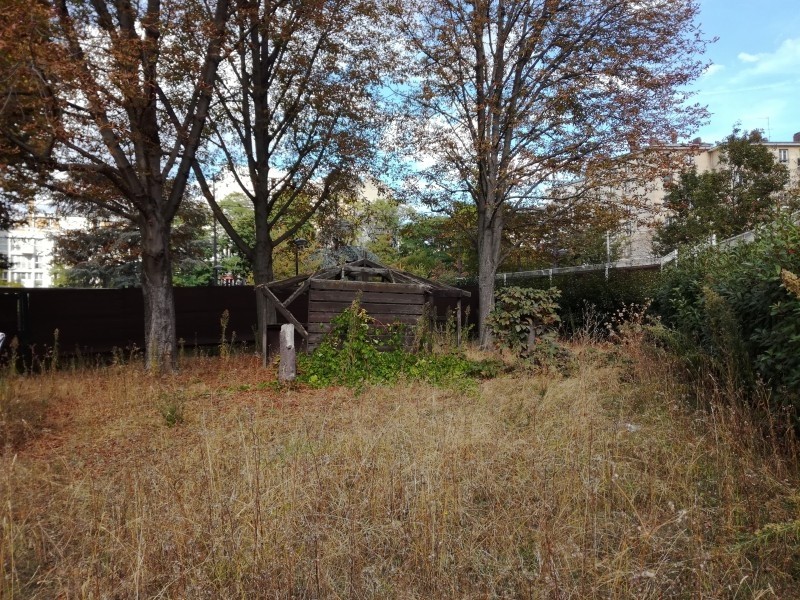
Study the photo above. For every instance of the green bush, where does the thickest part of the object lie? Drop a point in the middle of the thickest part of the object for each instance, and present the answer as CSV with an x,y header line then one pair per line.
x,y
356,352
520,315
740,306
606,296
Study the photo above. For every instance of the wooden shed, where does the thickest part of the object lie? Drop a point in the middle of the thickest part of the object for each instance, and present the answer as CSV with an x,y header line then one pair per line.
x,y
388,295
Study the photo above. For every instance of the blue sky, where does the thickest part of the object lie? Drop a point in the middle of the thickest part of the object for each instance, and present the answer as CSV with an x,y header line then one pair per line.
x,y
755,75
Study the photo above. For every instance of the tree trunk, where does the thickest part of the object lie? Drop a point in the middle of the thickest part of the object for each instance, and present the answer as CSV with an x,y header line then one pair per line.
x,y
159,302
267,314
489,236
263,271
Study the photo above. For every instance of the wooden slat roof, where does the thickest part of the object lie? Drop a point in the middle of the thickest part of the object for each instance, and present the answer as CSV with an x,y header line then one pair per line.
x,y
368,267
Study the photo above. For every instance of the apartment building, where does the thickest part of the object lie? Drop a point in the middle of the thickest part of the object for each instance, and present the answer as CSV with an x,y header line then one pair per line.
x,y
786,153
637,235
29,249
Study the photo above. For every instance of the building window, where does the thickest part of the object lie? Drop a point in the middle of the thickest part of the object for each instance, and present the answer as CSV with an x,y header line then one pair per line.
x,y
783,155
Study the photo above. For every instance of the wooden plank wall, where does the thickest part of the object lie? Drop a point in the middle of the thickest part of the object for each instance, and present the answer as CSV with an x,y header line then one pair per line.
x,y
387,303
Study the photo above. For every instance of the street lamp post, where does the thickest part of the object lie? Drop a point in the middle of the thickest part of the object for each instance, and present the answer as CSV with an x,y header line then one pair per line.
x,y
298,244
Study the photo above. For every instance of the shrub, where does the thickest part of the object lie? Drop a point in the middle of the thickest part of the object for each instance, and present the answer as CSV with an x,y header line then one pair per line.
x,y
605,295
740,307
171,407
522,314
357,351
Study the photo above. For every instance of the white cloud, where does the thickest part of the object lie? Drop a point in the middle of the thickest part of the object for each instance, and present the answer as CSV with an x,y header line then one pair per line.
x,y
712,69
748,58
785,61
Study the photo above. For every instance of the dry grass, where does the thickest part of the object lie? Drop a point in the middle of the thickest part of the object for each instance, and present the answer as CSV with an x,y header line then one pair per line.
x,y
604,484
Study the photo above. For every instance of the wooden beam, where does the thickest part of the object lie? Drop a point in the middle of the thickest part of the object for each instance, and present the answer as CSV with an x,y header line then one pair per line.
x,y
280,283
365,262
327,274
283,283
337,307
284,311
366,271
369,286
404,278
430,309
383,318
438,289
298,292
347,296
450,293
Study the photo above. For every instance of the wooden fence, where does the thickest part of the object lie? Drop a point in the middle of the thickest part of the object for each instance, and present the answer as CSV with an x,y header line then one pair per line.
x,y
96,321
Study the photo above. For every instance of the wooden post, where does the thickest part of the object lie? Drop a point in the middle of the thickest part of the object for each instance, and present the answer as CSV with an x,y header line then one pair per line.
x,y
458,323
288,367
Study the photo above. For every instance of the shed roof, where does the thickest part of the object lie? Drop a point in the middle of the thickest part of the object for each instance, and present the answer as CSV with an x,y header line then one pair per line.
x,y
367,271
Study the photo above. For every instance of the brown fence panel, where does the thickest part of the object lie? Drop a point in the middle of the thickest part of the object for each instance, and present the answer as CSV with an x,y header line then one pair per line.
x,y
98,320
198,314
9,312
86,319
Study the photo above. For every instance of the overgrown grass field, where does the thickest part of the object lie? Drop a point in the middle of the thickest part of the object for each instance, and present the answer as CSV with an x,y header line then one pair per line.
x,y
218,483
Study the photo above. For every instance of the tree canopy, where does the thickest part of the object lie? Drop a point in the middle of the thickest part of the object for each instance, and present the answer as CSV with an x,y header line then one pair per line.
x,y
513,97
107,252
104,104
747,188
297,114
